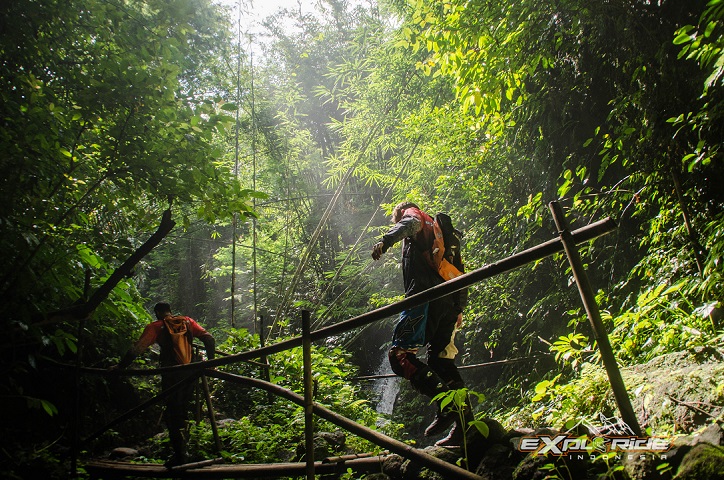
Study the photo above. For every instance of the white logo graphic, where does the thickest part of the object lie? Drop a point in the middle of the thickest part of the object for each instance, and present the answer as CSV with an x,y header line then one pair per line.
x,y
613,435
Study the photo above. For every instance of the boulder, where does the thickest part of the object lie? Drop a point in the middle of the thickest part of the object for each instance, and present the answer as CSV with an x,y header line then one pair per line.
x,y
712,434
539,467
703,462
326,444
413,471
497,463
646,467
392,466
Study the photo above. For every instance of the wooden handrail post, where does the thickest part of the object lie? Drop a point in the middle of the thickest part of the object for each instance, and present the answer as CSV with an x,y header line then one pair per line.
x,y
75,441
594,317
308,393
210,411
266,375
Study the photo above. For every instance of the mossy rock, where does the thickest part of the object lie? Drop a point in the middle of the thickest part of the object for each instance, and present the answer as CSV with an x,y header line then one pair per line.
x,y
703,462
411,470
392,466
645,467
326,444
665,385
540,467
497,463
661,392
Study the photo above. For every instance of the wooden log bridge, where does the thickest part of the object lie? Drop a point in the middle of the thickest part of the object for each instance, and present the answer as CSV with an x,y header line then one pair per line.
x,y
109,469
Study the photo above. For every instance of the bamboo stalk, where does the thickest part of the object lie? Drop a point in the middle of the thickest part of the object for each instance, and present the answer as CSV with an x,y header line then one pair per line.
x,y
308,398
210,411
207,469
594,316
460,367
199,464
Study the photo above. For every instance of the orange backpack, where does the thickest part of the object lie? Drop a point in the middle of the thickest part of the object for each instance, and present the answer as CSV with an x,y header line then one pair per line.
x,y
446,248
181,337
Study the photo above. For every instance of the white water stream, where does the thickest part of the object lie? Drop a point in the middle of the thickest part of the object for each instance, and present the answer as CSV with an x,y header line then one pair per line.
x,y
386,388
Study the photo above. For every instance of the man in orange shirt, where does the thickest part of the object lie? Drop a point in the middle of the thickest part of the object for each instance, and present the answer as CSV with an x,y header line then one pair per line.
x,y
174,334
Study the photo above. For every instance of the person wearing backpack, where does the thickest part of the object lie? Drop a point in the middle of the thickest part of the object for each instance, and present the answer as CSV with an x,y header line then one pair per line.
x,y
432,324
174,334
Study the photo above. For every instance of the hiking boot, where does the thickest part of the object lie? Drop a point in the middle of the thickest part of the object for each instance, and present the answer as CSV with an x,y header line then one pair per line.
x,y
454,438
442,422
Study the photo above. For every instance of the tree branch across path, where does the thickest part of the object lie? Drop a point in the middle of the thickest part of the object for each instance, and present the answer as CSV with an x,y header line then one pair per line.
x,y
82,310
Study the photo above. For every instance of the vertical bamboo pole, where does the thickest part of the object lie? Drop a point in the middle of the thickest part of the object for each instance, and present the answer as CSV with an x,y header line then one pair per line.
x,y
594,317
308,390
210,411
254,235
235,218
264,359
74,449
197,393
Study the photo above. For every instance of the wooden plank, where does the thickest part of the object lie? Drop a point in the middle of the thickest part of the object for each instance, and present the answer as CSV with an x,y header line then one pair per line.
x,y
114,469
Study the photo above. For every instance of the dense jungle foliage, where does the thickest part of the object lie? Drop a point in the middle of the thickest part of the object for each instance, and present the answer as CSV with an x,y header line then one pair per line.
x,y
280,156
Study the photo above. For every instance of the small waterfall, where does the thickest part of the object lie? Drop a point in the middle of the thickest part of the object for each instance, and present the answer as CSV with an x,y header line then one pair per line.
x,y
386,388
389,387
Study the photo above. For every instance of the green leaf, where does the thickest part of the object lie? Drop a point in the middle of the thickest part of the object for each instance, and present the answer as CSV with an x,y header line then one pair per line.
x,y
481,426
49,408
87,256
682,38
446,401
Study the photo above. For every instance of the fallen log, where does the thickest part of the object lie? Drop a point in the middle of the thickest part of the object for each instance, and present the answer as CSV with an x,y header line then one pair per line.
x,y
112,469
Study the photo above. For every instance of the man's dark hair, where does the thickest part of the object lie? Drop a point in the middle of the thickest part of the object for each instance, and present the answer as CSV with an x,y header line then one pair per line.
x,y
399,209
161,309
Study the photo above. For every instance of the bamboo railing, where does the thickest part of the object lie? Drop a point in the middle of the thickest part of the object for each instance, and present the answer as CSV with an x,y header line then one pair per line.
x,y
566,242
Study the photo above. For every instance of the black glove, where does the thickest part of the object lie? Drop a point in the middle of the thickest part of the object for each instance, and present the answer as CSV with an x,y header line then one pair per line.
x,y
378,250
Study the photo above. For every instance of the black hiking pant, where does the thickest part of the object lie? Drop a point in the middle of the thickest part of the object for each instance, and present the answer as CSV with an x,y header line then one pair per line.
x,y
439,324
177,406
